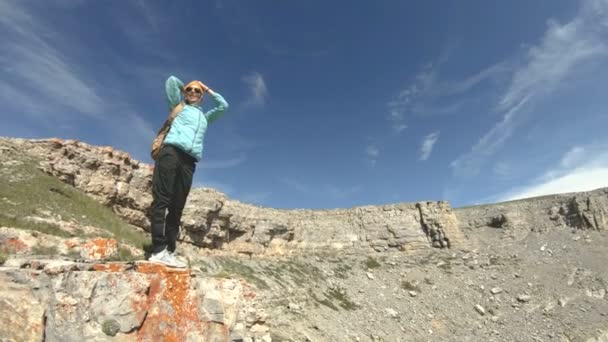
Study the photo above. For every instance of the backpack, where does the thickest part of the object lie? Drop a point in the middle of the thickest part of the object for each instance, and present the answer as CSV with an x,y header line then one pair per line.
x,y
157,144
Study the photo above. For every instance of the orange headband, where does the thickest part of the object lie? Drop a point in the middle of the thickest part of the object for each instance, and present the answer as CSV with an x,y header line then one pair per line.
x,y
198,84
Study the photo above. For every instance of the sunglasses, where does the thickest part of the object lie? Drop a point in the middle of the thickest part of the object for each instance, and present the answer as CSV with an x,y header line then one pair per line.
x,y
194,89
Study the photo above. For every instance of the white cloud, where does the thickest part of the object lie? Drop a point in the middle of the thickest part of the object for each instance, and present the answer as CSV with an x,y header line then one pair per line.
x,y
340,193
427,145
452,88
399,127
372,151
33,66
426,95
503,170
582,179
327,190
130,132
562,48
44,76
296,185
148,14
223,164
225,188
580,169
402,103
255,198
257,88
573,156
469,163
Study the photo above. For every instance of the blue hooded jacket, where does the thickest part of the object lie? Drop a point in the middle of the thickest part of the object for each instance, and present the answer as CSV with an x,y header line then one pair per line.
x,y
188,129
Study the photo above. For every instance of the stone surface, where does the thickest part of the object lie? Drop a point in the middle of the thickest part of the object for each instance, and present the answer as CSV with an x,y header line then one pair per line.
x,y
581,211
22,242
212,220
145,303
304,275
22,314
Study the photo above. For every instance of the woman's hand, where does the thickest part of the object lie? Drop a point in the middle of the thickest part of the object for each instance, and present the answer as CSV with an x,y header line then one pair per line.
x,y
205,88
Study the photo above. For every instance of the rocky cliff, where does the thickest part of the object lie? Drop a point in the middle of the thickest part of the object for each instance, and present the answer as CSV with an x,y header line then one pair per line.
x,y
212,220
528,270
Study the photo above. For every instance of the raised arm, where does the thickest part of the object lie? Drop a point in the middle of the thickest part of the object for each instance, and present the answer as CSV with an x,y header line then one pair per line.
x,y
173,89
220,106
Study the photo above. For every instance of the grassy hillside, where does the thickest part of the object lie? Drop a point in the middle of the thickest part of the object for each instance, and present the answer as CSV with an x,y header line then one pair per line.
x,y
26,192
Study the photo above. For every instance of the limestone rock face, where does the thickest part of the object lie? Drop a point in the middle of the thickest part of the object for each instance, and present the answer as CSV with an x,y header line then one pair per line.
x,y
22,242
70,301
22,314
582,210
214,221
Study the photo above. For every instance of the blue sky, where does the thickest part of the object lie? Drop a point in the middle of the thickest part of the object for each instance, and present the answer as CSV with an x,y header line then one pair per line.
x,y
333,103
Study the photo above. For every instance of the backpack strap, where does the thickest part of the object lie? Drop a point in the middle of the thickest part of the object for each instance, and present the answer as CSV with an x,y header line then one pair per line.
x,y
157,144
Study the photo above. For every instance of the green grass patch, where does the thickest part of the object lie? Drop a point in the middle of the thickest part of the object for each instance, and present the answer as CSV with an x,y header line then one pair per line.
x,y
38,192
371,263
3,257
43,227
223,274
231,267
410,286
72,254
44,250
278,337
292,272
342,271
342,298
123,254
323,301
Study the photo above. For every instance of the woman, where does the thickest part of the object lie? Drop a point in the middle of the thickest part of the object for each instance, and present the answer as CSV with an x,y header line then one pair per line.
x,y
176,163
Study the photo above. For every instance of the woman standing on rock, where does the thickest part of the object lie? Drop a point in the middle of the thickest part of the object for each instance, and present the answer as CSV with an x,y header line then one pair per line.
x,y
176,157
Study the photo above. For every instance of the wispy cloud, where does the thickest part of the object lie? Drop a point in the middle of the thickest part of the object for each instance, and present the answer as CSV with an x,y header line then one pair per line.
x,y
257,88
581,169
372,152
148,13
33,63
575,155
225,163
341,193
402,102
469,163
503,170
202,181
556,57
320,190
44,76
130,132
459,87
430,95
143,23
296,185
254,197
427,145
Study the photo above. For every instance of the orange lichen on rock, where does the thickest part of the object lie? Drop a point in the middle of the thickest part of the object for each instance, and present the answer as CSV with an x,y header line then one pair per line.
x,y
172,305
99,248
14,245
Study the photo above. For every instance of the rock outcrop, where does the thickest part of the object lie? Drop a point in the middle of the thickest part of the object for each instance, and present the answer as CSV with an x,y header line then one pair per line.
x,y
212,220
528,270
579,211
58,300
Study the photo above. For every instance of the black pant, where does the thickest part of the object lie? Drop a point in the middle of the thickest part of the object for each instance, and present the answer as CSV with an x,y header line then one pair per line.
x,y
171,184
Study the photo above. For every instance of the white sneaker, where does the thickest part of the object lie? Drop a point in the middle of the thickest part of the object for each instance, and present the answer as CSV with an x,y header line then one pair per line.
x,y
167,259
178,258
